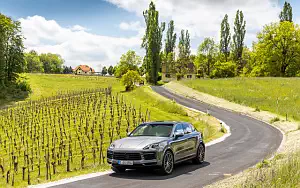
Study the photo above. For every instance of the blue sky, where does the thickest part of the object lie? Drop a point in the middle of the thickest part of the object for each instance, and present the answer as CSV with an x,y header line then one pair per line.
x,y
97,32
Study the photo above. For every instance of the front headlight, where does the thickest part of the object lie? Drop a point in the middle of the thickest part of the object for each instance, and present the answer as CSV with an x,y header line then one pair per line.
x,y
154,146
112,146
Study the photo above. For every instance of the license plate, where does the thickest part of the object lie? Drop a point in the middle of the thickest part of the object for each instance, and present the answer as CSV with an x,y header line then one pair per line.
x,y
125,162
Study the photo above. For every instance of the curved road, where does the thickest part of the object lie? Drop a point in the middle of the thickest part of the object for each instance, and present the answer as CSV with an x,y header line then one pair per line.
x,y
250,142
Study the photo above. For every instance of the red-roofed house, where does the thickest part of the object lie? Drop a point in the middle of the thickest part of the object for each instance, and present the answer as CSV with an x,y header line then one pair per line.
x,y
83,70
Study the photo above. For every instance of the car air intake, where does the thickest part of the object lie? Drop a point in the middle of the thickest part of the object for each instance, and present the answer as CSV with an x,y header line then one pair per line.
x,y
149,155
126,156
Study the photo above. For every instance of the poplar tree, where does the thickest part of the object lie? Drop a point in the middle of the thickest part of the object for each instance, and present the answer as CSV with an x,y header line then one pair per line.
x,y
225,37
238,38
170,44
287,13
184,47
152,42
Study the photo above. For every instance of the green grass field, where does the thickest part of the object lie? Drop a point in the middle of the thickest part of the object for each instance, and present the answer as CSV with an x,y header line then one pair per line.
x,y
277,95
44,86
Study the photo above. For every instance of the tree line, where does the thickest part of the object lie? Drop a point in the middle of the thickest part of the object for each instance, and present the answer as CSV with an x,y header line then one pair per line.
x,y
276,52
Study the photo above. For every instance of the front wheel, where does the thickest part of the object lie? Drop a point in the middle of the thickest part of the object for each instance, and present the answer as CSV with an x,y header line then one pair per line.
x,y
118,169
167,163
200,155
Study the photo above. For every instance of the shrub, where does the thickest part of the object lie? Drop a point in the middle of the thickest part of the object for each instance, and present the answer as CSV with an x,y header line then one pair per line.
x,y
129,79
275,119
223,70
22,83
179,76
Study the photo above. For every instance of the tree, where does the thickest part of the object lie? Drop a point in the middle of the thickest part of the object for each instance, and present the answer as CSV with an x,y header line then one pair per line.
x,y
152,42
52,63
33,62
225,37
223,70
170,45
104,71
277,50
128,61
206,56
110,70
184,47
67,70
11,50
287,13
130,78
238,38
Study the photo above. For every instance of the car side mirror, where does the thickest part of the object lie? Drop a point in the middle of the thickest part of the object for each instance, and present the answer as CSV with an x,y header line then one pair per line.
x,y
178,134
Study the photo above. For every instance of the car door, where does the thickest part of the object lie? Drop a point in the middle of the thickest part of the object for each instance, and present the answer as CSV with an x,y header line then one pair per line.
x,y
191,140
178,144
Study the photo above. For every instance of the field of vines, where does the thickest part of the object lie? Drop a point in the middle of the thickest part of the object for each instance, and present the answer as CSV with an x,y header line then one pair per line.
x,y
63,133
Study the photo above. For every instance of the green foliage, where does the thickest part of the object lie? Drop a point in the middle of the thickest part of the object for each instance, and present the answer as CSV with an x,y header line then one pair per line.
x,y
184,48
277,50
52,63
129,79
277,95
238,39
67,70
33,62
287,13
223,70
275,119
206,56
179,76
110,70
170,41
283,172
263,164
104,71
225,37
23,84
152,43
11,50
128,61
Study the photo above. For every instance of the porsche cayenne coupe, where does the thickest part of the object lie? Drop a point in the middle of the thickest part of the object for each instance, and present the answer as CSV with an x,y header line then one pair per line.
x,y
157,144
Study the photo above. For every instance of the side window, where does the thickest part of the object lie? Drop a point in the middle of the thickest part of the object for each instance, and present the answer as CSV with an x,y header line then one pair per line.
x,y
178,128
187,128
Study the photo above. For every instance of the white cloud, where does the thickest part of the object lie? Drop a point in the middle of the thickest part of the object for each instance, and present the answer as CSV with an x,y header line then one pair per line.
x,y
133,26
78,28
75,44
203,17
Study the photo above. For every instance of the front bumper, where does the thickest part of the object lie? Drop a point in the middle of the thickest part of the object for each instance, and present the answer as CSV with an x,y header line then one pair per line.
x,y
144,160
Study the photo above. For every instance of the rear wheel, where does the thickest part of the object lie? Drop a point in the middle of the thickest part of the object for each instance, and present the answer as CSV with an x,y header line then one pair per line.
x,y
200,155
167,163
118,169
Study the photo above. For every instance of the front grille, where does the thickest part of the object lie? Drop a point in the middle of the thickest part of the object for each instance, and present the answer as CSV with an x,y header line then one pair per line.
x,y
149,155
126,156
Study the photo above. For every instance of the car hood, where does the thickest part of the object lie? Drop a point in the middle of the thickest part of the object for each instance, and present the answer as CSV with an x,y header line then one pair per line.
x,y
138,142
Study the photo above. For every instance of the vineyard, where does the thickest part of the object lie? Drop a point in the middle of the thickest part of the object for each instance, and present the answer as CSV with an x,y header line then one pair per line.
x,y
63,133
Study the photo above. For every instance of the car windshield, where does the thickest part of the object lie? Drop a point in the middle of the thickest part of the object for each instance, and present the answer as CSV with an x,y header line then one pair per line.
x,y
159,130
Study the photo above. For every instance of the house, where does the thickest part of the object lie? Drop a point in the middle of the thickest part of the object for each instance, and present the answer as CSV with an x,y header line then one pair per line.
x,y
83,70
168,75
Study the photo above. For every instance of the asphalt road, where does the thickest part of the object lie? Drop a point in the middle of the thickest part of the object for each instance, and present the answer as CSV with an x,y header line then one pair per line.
x,y
250,142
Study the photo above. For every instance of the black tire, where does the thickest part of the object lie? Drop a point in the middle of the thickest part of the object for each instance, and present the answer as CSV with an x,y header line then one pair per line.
x,y
167,163
118,169
200,155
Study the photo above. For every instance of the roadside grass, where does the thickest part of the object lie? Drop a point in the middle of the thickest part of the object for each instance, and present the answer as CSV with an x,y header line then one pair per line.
x,y
280,172
277,95
160,109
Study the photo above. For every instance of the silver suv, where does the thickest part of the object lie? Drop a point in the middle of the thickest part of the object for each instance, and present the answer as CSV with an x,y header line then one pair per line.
x,y
157,144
